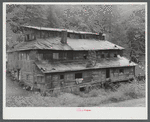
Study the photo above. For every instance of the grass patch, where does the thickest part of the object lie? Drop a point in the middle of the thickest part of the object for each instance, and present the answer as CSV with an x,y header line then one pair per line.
x,y
80,99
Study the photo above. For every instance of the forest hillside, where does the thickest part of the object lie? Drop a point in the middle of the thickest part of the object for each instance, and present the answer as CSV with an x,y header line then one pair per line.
x,y
125,24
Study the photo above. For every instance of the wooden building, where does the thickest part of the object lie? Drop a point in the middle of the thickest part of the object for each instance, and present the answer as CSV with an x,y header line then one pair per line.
x,y
49,58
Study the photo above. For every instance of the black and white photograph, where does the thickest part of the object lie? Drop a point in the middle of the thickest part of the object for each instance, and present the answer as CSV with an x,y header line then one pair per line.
x,y
77,55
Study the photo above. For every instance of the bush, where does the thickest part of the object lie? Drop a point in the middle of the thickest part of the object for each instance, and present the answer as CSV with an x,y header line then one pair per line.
x,y
76,92
81,99
56,93
93,93
133,90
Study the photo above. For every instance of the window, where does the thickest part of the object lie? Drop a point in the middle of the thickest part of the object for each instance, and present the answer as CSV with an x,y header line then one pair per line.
x,y
21,56
33,37
30,37
75,55
115,55
61,76
126,71
45,56
103,56
27,37
107,73
65,55
78,75
121,71
115,71
27,56
85,56
82,89
108,55
68,35
55,56
40,56
70,55
131,70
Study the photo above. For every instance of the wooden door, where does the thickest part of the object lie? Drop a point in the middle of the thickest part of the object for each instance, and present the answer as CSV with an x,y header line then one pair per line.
x,y
107,73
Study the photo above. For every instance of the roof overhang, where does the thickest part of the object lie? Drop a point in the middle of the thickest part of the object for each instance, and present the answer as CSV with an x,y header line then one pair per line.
x,y
72,67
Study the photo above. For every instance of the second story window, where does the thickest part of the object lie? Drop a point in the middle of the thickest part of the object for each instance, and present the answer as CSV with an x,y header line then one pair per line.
x,y
27,56
22,56
61,76
64,55
30,37
55,55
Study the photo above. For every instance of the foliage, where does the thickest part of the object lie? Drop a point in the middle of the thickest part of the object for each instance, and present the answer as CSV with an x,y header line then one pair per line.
x,y
136,41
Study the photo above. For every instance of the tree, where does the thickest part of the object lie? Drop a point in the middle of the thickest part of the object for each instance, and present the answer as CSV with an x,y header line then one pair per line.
x,y
136,41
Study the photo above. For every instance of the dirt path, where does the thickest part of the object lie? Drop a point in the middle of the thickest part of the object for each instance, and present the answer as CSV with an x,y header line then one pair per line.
x,y
12,89
129,103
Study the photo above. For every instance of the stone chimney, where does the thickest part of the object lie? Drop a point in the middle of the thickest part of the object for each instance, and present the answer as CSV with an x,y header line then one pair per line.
x,y
100,36
64,37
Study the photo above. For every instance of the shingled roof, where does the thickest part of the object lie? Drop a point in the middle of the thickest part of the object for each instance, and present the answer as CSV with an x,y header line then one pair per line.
x,y
46,67
72,44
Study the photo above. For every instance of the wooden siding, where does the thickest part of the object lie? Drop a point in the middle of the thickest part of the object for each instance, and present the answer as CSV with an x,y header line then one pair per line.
x,y
30,73
41,33
117,76
12,60
27,77
64,56
52,33
71,56
74,56
89,77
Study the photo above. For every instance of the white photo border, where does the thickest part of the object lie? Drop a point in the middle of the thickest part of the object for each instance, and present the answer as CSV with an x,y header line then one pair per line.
x,y
60,113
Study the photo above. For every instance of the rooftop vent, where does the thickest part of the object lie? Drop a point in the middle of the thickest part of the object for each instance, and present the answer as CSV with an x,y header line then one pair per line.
x,y
100,36
43,69
103,36
64,37
115,45
53,68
